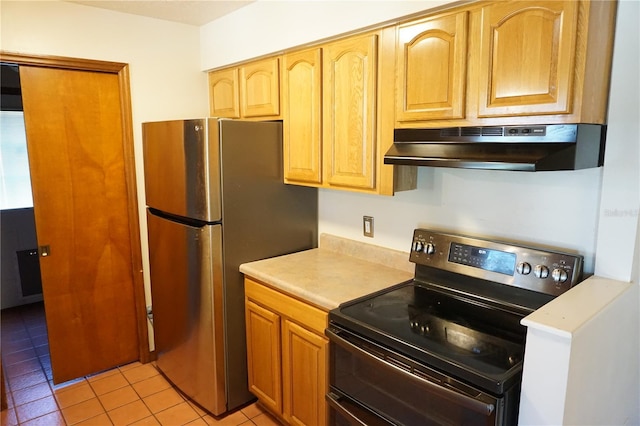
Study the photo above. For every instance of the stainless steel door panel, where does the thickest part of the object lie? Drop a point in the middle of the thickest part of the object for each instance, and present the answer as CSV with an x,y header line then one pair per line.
x,y
182,168
186,286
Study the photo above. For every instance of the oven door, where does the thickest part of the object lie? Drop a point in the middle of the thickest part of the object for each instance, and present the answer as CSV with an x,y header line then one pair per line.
x,y
371,385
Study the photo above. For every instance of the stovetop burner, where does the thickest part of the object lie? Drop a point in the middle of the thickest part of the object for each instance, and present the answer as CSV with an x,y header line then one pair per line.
x,y
441,328
459,336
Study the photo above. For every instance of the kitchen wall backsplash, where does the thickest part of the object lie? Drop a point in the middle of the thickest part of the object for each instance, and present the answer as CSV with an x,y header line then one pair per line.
x,y
553,209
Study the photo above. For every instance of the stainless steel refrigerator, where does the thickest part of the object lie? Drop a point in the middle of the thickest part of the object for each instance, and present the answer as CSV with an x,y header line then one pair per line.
x,y
216,199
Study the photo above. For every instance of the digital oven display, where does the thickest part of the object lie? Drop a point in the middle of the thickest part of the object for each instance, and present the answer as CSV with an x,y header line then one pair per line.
x,y
483,258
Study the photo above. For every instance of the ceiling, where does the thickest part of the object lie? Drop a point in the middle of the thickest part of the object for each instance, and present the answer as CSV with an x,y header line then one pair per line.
x,y
198,12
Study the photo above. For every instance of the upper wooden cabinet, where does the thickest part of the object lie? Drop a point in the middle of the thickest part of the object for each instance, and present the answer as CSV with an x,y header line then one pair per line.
x,y
527,53
224,97
506,62
251,90
260,88
338,116
349,112
432,68
302,107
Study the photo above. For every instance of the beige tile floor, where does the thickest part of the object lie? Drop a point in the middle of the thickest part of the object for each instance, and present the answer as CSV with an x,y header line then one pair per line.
x,y
133,394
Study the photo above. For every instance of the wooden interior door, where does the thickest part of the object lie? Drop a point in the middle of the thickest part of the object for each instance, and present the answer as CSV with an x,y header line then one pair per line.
x,y
74,126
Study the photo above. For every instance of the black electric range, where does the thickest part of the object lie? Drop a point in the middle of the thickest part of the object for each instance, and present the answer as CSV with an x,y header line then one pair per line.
x,y
446,347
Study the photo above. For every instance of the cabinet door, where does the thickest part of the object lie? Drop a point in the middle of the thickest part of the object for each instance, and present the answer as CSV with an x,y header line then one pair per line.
x,y
349,112
223,93
304,360
527,57
432,68
302,126
263,355
260,88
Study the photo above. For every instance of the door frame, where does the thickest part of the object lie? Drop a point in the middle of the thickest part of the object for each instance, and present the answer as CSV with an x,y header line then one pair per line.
x,y
122,70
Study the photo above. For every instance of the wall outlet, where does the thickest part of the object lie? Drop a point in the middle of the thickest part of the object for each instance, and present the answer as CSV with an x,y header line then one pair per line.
x,y
367,226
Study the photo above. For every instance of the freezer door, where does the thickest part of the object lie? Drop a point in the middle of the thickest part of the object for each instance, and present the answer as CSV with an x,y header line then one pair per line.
x,y
186,287
182,168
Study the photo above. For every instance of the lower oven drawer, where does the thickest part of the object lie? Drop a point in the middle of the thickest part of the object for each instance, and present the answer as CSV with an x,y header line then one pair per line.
x,y
372,385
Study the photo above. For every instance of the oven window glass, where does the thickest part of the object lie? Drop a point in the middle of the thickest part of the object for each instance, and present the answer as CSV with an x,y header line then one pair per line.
x,y
402,397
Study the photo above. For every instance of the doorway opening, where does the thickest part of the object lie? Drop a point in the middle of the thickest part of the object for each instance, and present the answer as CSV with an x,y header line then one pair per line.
x,y
20,280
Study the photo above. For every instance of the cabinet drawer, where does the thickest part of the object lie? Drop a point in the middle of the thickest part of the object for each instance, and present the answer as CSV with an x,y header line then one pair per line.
x,y
311,317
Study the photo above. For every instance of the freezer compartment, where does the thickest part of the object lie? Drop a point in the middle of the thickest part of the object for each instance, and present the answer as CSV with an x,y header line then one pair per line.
x,y
182,168
186,287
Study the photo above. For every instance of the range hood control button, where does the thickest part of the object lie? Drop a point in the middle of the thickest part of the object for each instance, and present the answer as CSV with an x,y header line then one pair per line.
x,y
541,271
523,268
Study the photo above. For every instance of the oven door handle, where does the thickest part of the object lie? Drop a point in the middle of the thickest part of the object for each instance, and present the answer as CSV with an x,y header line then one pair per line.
x,y
346,414
451,394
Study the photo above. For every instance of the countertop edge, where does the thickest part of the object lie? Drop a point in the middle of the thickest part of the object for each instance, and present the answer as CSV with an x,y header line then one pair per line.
x,y
567,313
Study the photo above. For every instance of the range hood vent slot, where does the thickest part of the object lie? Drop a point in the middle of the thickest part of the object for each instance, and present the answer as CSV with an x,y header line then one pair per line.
x,y
450,131
471,131
492,131
522,148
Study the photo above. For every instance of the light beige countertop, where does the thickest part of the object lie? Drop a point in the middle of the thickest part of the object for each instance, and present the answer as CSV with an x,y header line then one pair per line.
x,y
333,273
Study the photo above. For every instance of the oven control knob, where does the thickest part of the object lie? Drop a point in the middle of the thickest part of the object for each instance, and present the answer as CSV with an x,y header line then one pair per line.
x,y
430,248
523,268
417,246
559,275
541,271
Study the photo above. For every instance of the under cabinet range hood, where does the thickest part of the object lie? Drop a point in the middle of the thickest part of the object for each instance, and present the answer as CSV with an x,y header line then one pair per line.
x,y
521,148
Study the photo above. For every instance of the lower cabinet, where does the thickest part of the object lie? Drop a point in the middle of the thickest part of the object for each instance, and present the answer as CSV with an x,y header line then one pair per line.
x,y
287,354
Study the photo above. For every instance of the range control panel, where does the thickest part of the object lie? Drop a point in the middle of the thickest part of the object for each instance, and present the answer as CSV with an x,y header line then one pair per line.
x,y
545,271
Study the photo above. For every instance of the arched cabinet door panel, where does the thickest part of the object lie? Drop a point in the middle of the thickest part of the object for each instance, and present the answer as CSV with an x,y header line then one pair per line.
x,y
260,88
432,68
349,112
223,93
302,124
528,54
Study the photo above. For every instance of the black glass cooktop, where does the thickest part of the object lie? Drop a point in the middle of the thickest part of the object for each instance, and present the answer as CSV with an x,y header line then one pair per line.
x,y
478,342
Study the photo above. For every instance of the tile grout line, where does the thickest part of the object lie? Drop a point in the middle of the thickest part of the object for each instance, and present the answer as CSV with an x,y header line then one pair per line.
x,y
29,322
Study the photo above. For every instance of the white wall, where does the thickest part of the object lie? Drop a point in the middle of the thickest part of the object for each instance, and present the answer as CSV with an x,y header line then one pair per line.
x,y
603,377
268,26
506,205
164,59
620,204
